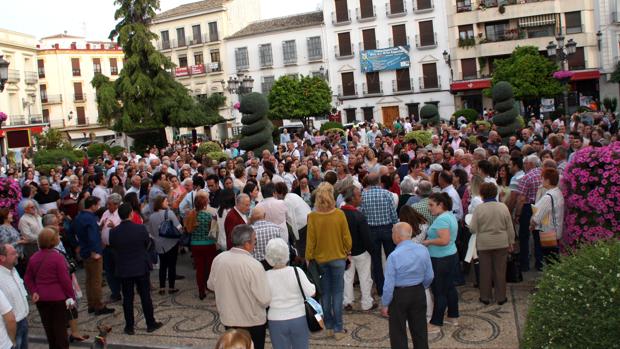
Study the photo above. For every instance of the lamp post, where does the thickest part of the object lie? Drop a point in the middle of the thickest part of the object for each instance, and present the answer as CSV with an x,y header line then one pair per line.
x,y
4,72
239,85
446,58
561,52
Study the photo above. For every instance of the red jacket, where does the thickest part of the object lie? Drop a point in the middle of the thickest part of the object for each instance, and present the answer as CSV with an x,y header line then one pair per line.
x,y
233,219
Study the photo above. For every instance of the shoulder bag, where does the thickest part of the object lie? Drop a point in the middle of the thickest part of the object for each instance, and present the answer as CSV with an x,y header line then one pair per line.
x,y
314,312
167,229
549,237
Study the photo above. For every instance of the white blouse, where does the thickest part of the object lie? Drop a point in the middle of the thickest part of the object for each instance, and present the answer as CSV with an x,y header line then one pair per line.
x,y
543,212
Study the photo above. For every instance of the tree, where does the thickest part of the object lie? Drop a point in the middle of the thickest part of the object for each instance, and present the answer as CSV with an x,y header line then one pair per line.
x,y
211,105
145,95
529,73
292,98
615,76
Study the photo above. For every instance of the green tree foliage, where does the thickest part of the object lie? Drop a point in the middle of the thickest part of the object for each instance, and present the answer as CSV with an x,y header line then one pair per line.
x,y
302,98
429,115
331,124
529,73
423,138
504,104
145,95
257,128
470,114
615,76
51,139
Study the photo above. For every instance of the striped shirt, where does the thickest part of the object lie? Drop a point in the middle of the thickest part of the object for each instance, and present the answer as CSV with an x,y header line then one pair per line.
x,y
529,184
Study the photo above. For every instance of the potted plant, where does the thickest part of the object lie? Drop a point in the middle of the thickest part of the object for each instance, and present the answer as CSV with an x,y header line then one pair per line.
x,y
502,8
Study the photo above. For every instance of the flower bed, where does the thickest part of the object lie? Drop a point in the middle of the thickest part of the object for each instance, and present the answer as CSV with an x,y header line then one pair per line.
x,y
10,194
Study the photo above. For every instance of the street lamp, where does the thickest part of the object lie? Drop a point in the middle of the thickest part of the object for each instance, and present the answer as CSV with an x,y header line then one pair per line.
x,y
446,58
599,39
4,72
561,53
240,85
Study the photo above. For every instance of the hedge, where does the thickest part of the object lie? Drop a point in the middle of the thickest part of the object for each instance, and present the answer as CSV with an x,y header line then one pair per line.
x,y
96,149
423,138
207,147
117,149
55,156
330,125
470,114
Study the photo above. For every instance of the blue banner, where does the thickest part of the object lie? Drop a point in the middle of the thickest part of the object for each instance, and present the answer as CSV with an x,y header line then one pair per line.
x,y
391,58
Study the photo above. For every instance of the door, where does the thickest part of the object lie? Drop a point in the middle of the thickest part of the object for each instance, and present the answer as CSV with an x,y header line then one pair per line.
x,y
342,11
81,115
370,42
399,35
390,114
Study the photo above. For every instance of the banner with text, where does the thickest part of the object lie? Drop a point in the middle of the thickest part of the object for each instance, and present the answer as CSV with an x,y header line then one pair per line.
x,y
391,58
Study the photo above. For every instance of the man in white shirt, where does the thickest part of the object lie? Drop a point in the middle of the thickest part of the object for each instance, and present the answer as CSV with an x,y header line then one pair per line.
x,y
136,181
12,286
445,182
100,191
109,220
276,210
8,326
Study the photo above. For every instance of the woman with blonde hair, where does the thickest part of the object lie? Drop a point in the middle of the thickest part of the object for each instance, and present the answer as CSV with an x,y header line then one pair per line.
x,y
235,339
329,243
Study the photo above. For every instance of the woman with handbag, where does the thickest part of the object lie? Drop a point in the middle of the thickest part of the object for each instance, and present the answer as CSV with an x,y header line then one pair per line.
x,y
548,215
288,327
48,281
164,228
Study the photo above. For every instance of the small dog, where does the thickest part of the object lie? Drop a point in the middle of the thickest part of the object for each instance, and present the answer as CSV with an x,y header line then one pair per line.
x,y
100,340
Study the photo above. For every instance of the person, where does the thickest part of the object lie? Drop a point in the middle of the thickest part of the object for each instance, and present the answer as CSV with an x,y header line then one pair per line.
x,y
227,204
8,325
265,232
445,183
408,272
129,242
47,197
101,191
167,248
47,279
109,220
527,188
549,211
12,286
495,236
297,216
134,202
440,240
29,226
380,212
424,190
328,244
242,292
361,245
86,229
8,233
203,243
286,316
418,223
235,339
276,209
236,216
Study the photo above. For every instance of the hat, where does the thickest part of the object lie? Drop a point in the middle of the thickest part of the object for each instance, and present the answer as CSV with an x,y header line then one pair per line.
x,y
436,168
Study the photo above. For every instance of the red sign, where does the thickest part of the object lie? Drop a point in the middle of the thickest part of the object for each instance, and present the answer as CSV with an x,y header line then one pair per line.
x,y
181,71
470,85
197,69
586,75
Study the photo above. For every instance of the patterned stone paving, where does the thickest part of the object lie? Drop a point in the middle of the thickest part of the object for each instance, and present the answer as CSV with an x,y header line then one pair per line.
x,y
189,322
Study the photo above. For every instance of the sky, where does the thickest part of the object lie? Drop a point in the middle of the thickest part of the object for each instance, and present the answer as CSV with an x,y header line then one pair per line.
x,y
94,19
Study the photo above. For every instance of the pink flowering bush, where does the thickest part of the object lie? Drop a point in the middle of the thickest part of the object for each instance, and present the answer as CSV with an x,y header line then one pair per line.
x,y
563,74
591,187
10,195
3,117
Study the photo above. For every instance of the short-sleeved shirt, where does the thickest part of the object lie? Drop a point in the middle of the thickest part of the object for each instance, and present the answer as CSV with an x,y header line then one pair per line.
x,y
445,220
5,308
529,184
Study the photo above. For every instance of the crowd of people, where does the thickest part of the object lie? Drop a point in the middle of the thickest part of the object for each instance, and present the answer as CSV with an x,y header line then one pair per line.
x,y
267,230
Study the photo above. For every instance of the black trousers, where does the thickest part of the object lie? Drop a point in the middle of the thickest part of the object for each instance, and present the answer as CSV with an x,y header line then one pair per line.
x,y
54,320
143,285
408,306
256,332
168,265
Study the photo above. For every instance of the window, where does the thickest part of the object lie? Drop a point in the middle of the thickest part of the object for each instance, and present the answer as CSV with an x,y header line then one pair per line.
x,y
496,31
97,65
181,36
348,84
429,76
427,33
397,6
215,56
46,115
81,115
344,44
41,68
577,60
265,55
463,5
573,22
196,35
113,66
468,68
370,41
267,84
75,66
342,11
43,93
198,60
466,31
213,34
289,51
373,84
165,39
399,35
350,114
424,4
366,9
182,61
77,92
242,60
413,111
540,32
315,51
368,113
403,81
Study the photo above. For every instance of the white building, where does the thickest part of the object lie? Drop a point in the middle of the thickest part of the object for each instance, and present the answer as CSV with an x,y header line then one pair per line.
x,y
418,28
608,14
268,49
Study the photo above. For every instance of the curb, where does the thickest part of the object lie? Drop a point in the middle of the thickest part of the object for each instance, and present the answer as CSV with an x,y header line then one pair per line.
x,y
110,345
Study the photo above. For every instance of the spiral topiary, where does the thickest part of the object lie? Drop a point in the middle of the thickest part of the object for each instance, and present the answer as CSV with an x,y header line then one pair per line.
x,y
429,115
256,130
506,115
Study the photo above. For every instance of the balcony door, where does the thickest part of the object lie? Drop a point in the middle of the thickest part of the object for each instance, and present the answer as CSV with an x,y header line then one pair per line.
x,y
81,115
373,83
403,81
344,44
348,84
429,72
366,9
342,10
370,41
399,35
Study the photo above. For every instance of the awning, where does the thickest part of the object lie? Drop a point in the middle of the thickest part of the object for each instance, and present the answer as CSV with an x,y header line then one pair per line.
x,y
537,21
586,75
470,85
85,134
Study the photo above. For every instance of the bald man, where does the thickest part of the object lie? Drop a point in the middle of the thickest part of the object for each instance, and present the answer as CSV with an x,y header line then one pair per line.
x,y
408,272
265,231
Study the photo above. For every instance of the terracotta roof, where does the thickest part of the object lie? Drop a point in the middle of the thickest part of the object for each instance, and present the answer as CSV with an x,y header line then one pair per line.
x,y
62,36
190,8
280,23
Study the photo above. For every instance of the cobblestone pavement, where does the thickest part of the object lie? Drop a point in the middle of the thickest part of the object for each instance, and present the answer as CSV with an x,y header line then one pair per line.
x,y
189,322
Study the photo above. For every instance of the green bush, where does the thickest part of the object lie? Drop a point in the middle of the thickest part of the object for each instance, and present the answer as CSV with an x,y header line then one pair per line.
x,y
335,129
470,114
486,124
96,149
117,149
521,121
217,155
55,157
423,138
473,139
207,147
331,124
254,107
577,301
44,170
429,115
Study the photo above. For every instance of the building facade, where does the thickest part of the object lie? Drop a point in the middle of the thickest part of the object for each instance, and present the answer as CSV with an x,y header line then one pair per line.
x,y
66,65
191,36
482,31
20,98
608,14
366,37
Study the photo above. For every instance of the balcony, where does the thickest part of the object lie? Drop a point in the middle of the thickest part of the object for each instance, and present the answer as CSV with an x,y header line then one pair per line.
x,y
51,99
316,56
76,72
290,60
344,54
366,17
181,42
266,64
392,44
574,30
21,120
396,11
341,19
464,6
41,71
423,6
464,76
402,86
31,77
505,35
195,40
163,45
430,83
349,93
363,48
372,90
214,68
211,38
14,76
426,44
180,72
79,97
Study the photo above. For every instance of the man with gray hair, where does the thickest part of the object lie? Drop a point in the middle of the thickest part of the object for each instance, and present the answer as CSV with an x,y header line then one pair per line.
x,y
527,188
242,293
265,231
12,286
109,220
136,181
237,216
425,189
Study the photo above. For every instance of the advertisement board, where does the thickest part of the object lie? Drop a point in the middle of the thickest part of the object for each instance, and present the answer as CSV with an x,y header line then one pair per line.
x,y
391,58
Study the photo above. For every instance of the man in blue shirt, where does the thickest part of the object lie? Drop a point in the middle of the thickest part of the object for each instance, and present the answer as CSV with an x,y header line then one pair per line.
x,y
408,272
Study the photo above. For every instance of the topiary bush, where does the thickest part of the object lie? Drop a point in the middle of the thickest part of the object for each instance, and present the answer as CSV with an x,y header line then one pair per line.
x,y
577,301
117,149
506,114
330,125
55,157
423,138
339,130
218,155
257,128
470,114
207,147
96,149
429,115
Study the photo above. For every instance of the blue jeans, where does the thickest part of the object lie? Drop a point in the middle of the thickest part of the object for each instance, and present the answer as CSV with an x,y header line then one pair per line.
x,y
332,282
109,267
21,337
444,291
381,236
289,334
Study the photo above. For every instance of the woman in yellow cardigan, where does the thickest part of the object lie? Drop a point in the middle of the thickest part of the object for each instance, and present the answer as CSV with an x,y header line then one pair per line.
x,y
329,244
